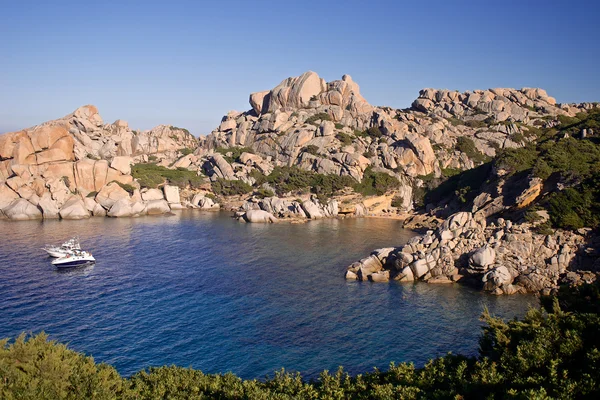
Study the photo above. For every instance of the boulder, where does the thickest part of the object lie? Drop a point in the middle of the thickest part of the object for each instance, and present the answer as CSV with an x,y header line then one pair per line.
x,y
152,194
74,208
121,208
482,258
110,194
122,164
157,207
381,276
259,216
172,194
48,205
259,101
21,209
311,209
7,196
496,278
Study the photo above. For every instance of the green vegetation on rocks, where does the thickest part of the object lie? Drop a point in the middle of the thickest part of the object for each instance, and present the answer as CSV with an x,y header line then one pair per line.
x,y
224,187
152,175
550,353
318,117
232,154
467,146
376,183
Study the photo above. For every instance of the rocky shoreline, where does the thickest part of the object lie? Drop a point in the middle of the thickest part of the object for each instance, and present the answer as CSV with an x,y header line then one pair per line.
x,y
499,257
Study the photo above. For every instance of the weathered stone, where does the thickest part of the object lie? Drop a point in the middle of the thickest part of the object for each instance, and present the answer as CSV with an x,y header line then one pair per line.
x,y
21,209
259,216
110,194
74,208
172,194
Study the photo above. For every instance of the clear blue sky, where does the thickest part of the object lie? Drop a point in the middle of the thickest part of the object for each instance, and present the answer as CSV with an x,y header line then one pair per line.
x,y
186,63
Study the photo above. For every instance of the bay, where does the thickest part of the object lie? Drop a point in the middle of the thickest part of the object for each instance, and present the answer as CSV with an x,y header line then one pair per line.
x,y
200,289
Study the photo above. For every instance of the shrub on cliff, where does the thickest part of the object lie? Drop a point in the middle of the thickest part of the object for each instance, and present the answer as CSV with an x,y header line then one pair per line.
x,y
467,146
232,154
224,187
376,183
313,120
152,175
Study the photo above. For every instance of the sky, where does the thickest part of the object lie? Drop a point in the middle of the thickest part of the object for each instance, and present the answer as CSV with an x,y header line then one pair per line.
x,y
187,63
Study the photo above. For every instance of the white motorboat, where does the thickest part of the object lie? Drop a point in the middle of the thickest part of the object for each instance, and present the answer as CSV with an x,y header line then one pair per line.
x,y
63,250
77,258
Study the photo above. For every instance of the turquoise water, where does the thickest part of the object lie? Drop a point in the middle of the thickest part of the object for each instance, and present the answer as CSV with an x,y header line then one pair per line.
x,y
200,289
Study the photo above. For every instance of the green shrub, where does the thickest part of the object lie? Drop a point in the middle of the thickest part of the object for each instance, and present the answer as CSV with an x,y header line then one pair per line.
x,y
574,208
258,176
185,151
235,152
125,186
224,187
152,158
339,126
311,149
373,132
212,197
344,138
465,185
36,368
318,117
376,183
66,180
397,201
293,179
450,172
467,146
180,129
262,193
152,175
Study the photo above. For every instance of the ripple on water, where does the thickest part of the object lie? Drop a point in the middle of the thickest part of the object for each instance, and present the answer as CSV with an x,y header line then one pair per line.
x,y
199,289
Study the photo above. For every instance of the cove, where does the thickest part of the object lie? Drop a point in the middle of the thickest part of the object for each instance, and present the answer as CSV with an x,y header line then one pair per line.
x,y
200,289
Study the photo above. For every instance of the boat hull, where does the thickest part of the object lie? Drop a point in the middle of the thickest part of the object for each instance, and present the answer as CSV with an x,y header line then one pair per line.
x,y
56,253
73,263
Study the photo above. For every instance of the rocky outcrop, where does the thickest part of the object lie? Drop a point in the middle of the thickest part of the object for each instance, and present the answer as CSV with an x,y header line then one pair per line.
x,y
286,208
80,155
258,216
329,128
501,258
74,208
21,209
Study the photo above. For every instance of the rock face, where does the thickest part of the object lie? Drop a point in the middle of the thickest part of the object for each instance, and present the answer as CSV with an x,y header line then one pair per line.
x,y
21,209
74,208
329,128
501,258
46,164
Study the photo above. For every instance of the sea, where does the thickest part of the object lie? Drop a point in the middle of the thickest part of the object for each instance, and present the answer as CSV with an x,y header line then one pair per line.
x,y
200,289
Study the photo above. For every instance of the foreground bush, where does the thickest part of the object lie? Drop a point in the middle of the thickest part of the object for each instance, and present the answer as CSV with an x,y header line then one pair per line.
x,y
551,353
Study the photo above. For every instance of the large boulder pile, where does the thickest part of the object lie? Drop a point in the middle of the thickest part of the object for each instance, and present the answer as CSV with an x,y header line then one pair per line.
x,y
329,128
77,166
501,258
284,208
